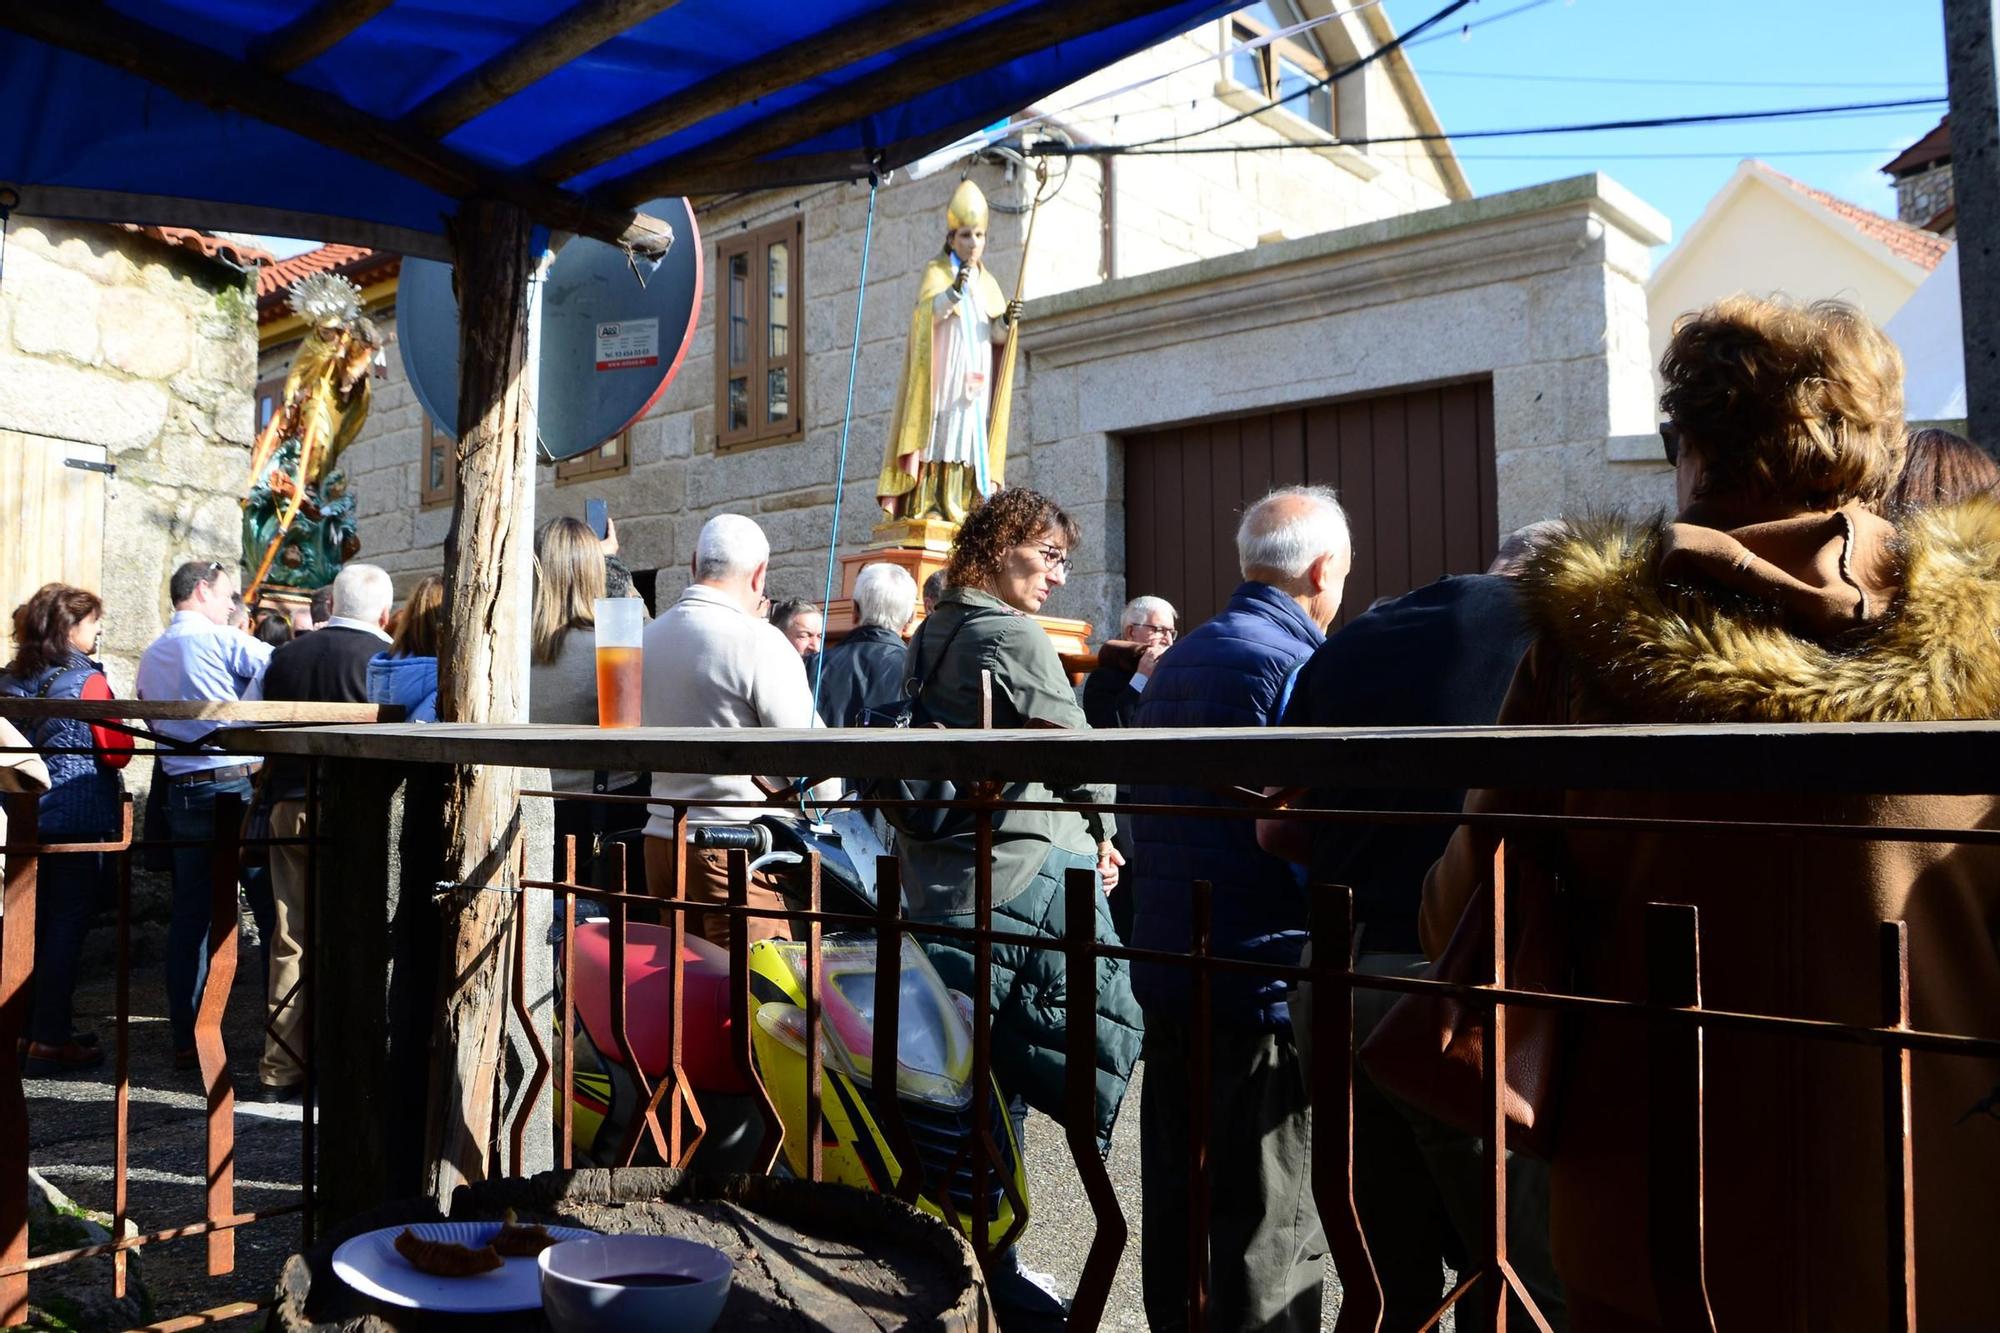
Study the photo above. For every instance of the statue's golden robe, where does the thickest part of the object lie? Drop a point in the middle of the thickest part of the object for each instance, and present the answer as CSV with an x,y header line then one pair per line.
x,y
915,418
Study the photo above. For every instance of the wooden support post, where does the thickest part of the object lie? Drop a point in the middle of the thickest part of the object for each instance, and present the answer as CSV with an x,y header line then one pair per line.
x,y
482,677
1973,73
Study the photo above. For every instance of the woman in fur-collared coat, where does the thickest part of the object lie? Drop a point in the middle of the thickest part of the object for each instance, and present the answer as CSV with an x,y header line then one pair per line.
x,y
1778,595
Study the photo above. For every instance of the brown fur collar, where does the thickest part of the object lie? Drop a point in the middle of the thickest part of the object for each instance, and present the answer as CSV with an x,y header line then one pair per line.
x,y
1668,653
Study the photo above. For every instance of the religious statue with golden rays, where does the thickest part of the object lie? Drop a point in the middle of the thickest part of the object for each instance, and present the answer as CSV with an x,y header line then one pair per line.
x,y
948,441
294,472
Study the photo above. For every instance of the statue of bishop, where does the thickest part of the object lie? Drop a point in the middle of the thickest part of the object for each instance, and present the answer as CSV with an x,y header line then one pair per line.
x,y
948,442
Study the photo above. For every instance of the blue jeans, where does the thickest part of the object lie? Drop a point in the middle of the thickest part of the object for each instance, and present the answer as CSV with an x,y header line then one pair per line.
x,y
191,814
68,891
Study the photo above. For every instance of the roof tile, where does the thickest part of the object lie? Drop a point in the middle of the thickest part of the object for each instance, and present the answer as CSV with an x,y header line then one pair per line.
x,y
1919,247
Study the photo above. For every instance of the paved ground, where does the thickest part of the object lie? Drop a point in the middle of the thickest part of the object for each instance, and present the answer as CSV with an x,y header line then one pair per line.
x,y
71,1125
1062,1227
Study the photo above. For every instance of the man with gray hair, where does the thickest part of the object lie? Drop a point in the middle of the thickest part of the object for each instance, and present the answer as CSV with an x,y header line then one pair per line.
x,y
1266,1249
329,665
712,661
863,673
1111,693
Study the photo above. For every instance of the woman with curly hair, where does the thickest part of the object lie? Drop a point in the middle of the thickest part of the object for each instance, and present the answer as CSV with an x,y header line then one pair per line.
x,y
1011,554
1777,595
55,633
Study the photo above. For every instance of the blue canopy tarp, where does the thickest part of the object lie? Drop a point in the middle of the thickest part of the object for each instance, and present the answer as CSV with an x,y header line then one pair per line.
x,y
188,111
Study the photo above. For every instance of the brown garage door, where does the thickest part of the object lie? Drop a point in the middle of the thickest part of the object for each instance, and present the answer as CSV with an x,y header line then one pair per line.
x,y
1414,471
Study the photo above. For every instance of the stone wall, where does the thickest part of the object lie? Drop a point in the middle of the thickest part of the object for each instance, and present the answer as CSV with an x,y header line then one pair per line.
x,y
110,338
1541,290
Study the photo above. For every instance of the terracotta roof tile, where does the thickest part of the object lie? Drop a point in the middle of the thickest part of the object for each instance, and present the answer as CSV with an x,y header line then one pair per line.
x,y
1934,147
240,253
1919,247
275,278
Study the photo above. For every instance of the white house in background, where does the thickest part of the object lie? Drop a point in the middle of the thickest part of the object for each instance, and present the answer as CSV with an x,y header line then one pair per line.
x,y
1932,336
1765,232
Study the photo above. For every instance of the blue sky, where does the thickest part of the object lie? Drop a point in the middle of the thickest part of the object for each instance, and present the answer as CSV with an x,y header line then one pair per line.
x,y
1721,55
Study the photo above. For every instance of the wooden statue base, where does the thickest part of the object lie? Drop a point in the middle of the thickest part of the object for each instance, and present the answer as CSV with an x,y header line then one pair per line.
x,y
928,550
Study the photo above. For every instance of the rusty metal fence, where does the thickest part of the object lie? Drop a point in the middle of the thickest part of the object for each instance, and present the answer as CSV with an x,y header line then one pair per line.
x,y
672,1119
221,1218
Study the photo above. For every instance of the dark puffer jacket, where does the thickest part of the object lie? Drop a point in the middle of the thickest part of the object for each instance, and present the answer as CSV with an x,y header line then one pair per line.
x,y
1231,671
1031,998
84,794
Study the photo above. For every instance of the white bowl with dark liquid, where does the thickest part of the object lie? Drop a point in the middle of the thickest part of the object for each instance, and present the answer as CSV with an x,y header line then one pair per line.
x,y
633,1282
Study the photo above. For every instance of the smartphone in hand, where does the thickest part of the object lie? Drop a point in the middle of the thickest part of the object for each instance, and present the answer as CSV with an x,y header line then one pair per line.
x,y
598,517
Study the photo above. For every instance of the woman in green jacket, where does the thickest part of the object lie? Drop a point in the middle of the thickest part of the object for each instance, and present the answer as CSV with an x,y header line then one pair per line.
x,y
1011,553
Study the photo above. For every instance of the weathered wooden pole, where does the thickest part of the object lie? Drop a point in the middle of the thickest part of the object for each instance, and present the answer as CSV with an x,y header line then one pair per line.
x,y
482,677
1974,76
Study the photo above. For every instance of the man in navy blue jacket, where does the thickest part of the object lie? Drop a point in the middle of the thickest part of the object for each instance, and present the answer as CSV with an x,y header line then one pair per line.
x,y
1266,1248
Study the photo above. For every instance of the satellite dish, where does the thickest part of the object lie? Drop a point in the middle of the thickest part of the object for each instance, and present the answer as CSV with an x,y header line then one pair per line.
x,y
613,333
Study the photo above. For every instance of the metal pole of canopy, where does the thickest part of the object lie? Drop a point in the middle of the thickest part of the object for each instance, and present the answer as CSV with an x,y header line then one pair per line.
x,y
1969,28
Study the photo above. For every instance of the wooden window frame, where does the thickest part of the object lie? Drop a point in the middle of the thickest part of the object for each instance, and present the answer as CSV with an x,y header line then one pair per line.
x,y
1299,54
592,465
272,387
755,244
433,439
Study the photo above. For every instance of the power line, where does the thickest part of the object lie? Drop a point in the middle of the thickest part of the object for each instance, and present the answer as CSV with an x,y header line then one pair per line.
x,y
1395,43
1464,29
1429,73
1598,154
1842,110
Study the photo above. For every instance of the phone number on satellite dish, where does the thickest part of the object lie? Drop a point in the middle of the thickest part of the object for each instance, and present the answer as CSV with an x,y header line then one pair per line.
x,y
625,344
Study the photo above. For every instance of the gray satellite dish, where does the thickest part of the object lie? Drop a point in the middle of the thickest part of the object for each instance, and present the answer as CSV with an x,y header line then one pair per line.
x,y
610,344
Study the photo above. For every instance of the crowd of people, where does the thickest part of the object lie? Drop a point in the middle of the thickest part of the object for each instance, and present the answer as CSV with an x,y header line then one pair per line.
x,y
1823,564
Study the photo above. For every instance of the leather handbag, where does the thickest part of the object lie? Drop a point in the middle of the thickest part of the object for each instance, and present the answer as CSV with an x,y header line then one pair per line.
x,y
1430,1049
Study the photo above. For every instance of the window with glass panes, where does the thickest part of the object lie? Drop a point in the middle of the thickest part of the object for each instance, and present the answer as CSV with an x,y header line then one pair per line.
x,y
1283,67
759,366
437,467
611,457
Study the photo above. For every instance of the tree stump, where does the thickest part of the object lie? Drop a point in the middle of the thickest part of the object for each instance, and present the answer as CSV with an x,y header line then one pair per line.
x,y
807,1256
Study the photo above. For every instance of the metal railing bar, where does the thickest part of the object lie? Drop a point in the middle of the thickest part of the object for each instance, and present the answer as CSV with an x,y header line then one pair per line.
x,y
1819,1029
224,869
1898,1134
121,1115
1499,819
203,1228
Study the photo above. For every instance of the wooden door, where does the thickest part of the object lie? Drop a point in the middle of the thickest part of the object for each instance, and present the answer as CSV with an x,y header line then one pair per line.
x,y
1414,470
51,516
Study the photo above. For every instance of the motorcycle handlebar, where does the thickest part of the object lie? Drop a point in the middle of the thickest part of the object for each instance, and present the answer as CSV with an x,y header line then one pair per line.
x,y
729,837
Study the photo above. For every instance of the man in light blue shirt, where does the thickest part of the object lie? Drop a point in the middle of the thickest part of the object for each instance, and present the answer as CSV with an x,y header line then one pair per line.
x,y
199,657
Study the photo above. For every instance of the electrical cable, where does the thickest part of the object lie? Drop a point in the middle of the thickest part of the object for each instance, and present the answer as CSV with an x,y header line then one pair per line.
x,y
846,425
1621,80
1395,43
1464,30
1146,148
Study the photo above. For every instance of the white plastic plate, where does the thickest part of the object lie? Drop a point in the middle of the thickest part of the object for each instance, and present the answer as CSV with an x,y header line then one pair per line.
x,y
369,1264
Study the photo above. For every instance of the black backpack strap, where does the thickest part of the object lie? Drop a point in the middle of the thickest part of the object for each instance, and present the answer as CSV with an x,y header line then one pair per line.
x,y
919,678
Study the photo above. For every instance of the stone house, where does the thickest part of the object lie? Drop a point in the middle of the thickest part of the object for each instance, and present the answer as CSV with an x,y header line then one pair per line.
x,y
1921,175
1177,305
126,359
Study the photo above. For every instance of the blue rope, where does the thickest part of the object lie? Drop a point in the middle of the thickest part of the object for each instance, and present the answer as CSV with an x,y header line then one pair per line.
x,y
846,424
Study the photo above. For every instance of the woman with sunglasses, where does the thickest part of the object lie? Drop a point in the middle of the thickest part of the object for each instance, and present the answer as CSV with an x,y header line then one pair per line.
x,y
1013,552
55,637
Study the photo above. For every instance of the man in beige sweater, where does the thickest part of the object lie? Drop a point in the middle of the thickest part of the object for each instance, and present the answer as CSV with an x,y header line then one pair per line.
x,y
712,661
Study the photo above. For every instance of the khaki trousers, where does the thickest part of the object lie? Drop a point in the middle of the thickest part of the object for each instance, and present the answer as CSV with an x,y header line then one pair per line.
x,y
708,882
285,1034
